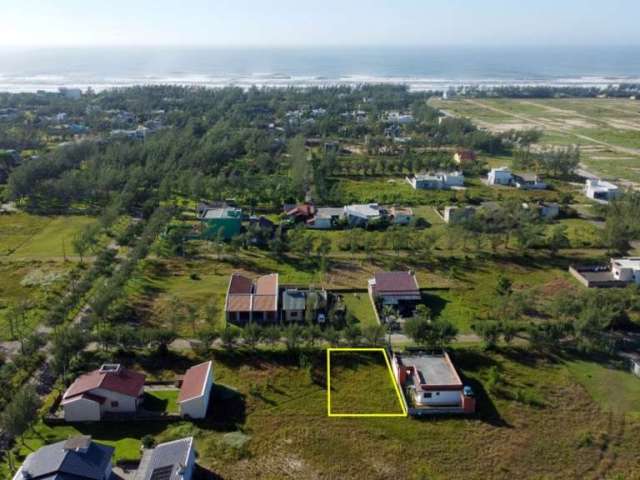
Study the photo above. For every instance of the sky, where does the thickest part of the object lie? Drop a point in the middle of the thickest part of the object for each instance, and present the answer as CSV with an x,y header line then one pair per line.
x,y
318,22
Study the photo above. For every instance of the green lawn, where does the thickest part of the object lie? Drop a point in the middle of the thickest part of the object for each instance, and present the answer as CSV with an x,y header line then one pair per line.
x,y
161,401
360,305
349,371
615,389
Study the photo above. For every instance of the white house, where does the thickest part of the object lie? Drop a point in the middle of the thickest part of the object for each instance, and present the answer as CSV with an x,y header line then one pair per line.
x,y
601,190
111,388
626,269
500,176
529,181
325,218
196,390
361,215
437,181
433,384
168,461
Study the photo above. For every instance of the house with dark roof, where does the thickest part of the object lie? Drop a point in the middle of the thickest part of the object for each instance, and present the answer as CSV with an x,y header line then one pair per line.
x,y
77,458
168,461
252,300
464,157
297,303
111,388
195,390
398,289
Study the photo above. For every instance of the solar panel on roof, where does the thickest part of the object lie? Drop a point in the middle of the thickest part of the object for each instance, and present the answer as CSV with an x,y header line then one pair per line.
x,y
162,473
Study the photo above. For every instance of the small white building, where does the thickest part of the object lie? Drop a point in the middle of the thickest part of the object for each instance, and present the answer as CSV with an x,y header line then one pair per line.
x,y
361,215
601,190
529,181
196,390
437,181
626,269
500,176
326,218
635,365
112,388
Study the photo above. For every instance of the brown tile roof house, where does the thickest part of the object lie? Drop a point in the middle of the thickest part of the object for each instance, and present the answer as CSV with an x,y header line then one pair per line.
x,y
195,390
398,289
249,300
302,212
112,388
395,284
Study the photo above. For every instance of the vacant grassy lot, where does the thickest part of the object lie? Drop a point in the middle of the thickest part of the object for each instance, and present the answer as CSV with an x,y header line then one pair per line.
x,y
606,129
613,387
349,371
268,420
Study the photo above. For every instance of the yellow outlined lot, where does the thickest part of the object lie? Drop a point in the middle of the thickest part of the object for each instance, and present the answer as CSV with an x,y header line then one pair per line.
x,y
393,381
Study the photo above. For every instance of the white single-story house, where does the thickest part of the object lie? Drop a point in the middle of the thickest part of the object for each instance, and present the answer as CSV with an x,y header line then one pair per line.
x,y
361,215
168,461
529,181
601,190
500,176
196,390
437,181
433,384
626,269
110,389
326,218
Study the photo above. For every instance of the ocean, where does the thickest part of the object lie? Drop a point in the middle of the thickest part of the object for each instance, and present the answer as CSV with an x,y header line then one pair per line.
x,y
421,68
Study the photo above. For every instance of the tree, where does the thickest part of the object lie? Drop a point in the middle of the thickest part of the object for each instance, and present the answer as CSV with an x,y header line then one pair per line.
x,y
504,286
374,334
66,344
558,239
252,334
229,337
293,335
21,411
272,334
352,334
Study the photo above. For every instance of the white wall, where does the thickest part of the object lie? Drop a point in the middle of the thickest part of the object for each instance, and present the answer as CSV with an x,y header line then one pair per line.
x,y
126,404
445,397
82,410
197,407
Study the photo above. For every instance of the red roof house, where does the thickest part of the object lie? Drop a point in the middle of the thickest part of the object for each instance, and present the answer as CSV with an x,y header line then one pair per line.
x,y
249,300
399,289
196,390
111,388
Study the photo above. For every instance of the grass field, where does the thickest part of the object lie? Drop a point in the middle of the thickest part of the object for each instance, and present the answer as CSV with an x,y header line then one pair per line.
x,y
608,130
615,389
349,371
269,420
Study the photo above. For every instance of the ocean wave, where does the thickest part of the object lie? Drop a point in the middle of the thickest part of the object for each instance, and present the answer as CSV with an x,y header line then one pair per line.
x,y
50,82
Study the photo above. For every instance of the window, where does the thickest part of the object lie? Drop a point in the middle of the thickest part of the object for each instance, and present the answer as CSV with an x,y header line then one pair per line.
x,y
294,314
427,395
114,404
